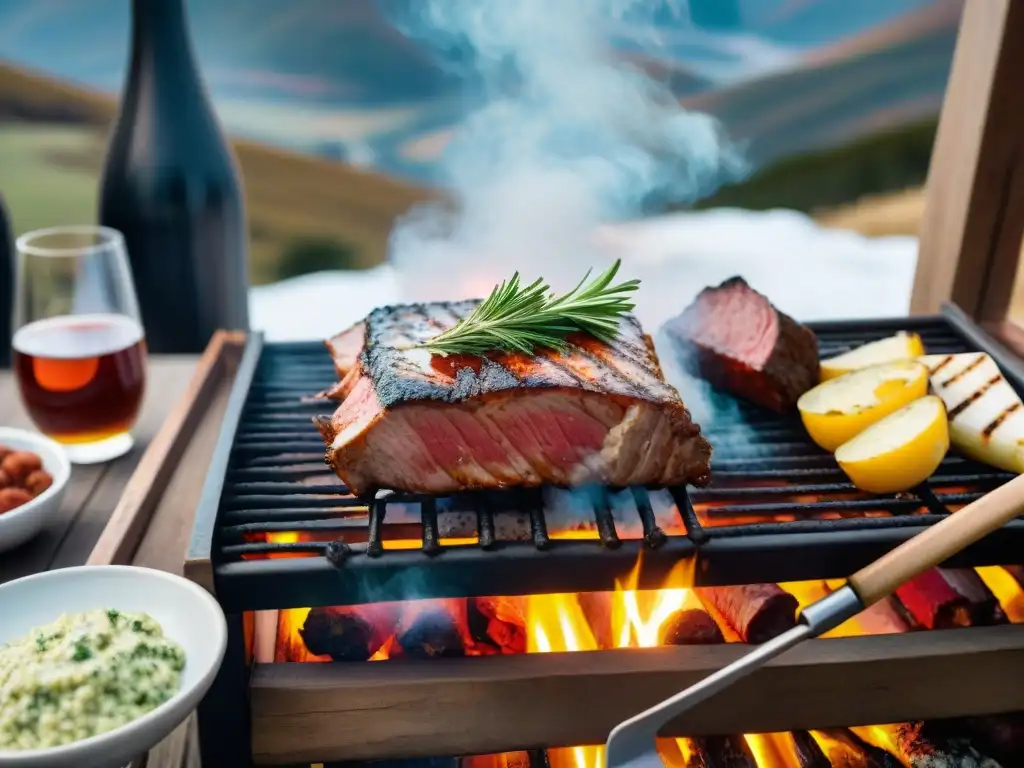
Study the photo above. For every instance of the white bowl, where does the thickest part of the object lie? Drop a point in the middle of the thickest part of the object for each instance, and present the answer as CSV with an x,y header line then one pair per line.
x,y
188,615
22,523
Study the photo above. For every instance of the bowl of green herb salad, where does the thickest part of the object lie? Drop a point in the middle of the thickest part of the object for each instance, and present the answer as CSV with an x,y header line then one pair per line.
x,y
100,663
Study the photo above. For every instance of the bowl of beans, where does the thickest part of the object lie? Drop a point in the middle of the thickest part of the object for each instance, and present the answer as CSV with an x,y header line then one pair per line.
x,y
34,473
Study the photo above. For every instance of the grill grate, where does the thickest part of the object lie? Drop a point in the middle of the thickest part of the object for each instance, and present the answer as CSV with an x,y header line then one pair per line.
x,y
281,532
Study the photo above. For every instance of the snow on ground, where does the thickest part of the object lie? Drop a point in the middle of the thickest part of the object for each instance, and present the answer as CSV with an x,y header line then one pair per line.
x,y
809,272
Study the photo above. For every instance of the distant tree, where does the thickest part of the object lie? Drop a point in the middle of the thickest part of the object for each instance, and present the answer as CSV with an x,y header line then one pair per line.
x,y
887,161
315,254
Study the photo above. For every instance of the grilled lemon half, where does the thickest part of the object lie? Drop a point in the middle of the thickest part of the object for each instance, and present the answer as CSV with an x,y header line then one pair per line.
x,y
900,451
902,346
840,408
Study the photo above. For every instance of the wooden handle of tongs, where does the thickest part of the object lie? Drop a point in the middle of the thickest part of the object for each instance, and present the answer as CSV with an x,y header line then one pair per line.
x,y
941,541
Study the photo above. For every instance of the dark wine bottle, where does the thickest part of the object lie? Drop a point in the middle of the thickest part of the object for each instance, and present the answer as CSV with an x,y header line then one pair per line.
x,y
171,186
6,286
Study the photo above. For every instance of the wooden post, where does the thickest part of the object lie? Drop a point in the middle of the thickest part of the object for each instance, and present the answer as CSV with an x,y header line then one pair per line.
x,y
974,214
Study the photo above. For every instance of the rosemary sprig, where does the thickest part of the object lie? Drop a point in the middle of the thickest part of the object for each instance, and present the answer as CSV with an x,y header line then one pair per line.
x,y
515,319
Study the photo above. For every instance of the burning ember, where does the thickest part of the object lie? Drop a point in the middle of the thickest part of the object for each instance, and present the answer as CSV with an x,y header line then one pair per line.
x,y
680,614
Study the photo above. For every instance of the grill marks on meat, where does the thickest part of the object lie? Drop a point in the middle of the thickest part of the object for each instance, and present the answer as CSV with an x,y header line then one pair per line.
x,y
419,422
734,338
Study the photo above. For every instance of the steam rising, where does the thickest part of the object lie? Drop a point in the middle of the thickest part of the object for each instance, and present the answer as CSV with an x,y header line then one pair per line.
x,y
563,135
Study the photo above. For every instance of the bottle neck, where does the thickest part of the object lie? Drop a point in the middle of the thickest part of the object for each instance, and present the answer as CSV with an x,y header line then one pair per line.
x,y
160,30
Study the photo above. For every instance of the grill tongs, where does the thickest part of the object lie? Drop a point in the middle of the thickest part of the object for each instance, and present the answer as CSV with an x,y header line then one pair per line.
x,y
631,743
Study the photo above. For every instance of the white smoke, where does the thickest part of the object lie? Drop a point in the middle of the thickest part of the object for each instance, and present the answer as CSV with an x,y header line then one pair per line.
x,y
564,135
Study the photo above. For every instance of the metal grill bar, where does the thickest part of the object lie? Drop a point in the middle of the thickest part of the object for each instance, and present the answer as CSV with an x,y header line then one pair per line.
x,y
779,507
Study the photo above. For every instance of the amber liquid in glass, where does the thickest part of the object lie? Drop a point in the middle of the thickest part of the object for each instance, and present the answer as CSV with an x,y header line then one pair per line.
x,y
81,377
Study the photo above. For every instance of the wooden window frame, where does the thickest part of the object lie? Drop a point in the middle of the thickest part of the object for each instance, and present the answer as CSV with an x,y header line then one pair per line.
x,y
973,222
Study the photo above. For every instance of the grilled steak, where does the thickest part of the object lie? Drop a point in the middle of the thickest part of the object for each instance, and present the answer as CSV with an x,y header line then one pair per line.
x,y
734,338
345,347
419,422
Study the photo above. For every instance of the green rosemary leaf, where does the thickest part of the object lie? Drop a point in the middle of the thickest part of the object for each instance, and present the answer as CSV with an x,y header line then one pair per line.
x,y
517,319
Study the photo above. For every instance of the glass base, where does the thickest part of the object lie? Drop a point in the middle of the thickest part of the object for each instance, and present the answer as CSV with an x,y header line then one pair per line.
x,y
100,451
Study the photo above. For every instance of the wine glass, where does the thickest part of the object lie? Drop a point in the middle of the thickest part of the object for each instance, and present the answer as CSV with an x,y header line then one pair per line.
x,y
79,347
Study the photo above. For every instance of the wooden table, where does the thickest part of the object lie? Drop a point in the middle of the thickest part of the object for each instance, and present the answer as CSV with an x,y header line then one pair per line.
x,y
91,497
94,490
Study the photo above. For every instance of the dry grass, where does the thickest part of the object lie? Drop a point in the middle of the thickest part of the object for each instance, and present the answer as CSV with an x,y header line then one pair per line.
x,y
896,213
289,196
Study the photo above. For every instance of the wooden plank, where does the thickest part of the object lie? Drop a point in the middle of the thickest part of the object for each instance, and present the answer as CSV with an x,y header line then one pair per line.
x,y
407,709
168,377
165,541
1009,333
12,414
198,567
146,483
151,525
974,213
85,509
179,750
38,554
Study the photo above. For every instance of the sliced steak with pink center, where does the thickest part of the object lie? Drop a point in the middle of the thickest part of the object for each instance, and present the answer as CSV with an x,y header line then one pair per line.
x,y
414,421
734,338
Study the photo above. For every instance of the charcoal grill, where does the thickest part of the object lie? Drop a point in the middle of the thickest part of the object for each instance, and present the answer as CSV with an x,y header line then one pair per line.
x,y
267,477
260,483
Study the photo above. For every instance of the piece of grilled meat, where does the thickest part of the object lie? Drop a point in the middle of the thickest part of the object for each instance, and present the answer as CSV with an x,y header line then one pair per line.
x,y
419,422
734,338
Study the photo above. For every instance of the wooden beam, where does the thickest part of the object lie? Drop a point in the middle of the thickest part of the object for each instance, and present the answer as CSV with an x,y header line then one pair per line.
x,y
970,237
392,709
1009,334
141,495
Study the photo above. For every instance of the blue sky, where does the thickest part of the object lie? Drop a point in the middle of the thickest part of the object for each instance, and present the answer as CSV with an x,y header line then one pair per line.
x,y
336,76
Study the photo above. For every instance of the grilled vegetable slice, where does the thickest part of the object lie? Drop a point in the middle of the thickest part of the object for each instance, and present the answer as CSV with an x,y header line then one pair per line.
x,y
986,416
838,409
902,346
900,451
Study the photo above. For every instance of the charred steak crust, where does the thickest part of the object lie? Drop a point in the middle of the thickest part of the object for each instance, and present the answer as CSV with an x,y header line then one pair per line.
x,y
773,377
399,375
459,422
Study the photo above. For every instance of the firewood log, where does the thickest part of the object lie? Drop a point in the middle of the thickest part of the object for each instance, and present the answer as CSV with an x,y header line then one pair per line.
x,y
755,612
932,603
499,622
431,634
857,753
982,605
347,633
1001,736
808,753
924,745
692,627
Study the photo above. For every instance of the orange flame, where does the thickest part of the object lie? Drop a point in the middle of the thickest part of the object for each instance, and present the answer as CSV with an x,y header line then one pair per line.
x,y
557,623
637,616
1006,589
632,618
883,736
773,750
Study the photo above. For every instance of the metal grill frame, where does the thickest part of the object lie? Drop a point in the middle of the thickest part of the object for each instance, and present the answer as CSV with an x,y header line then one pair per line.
x,y
342,574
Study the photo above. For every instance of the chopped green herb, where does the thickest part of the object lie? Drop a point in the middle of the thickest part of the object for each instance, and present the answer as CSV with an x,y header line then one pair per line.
x,y
82,650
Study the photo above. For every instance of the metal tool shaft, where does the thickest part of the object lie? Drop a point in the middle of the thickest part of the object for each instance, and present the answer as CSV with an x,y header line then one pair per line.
x,y
631,743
